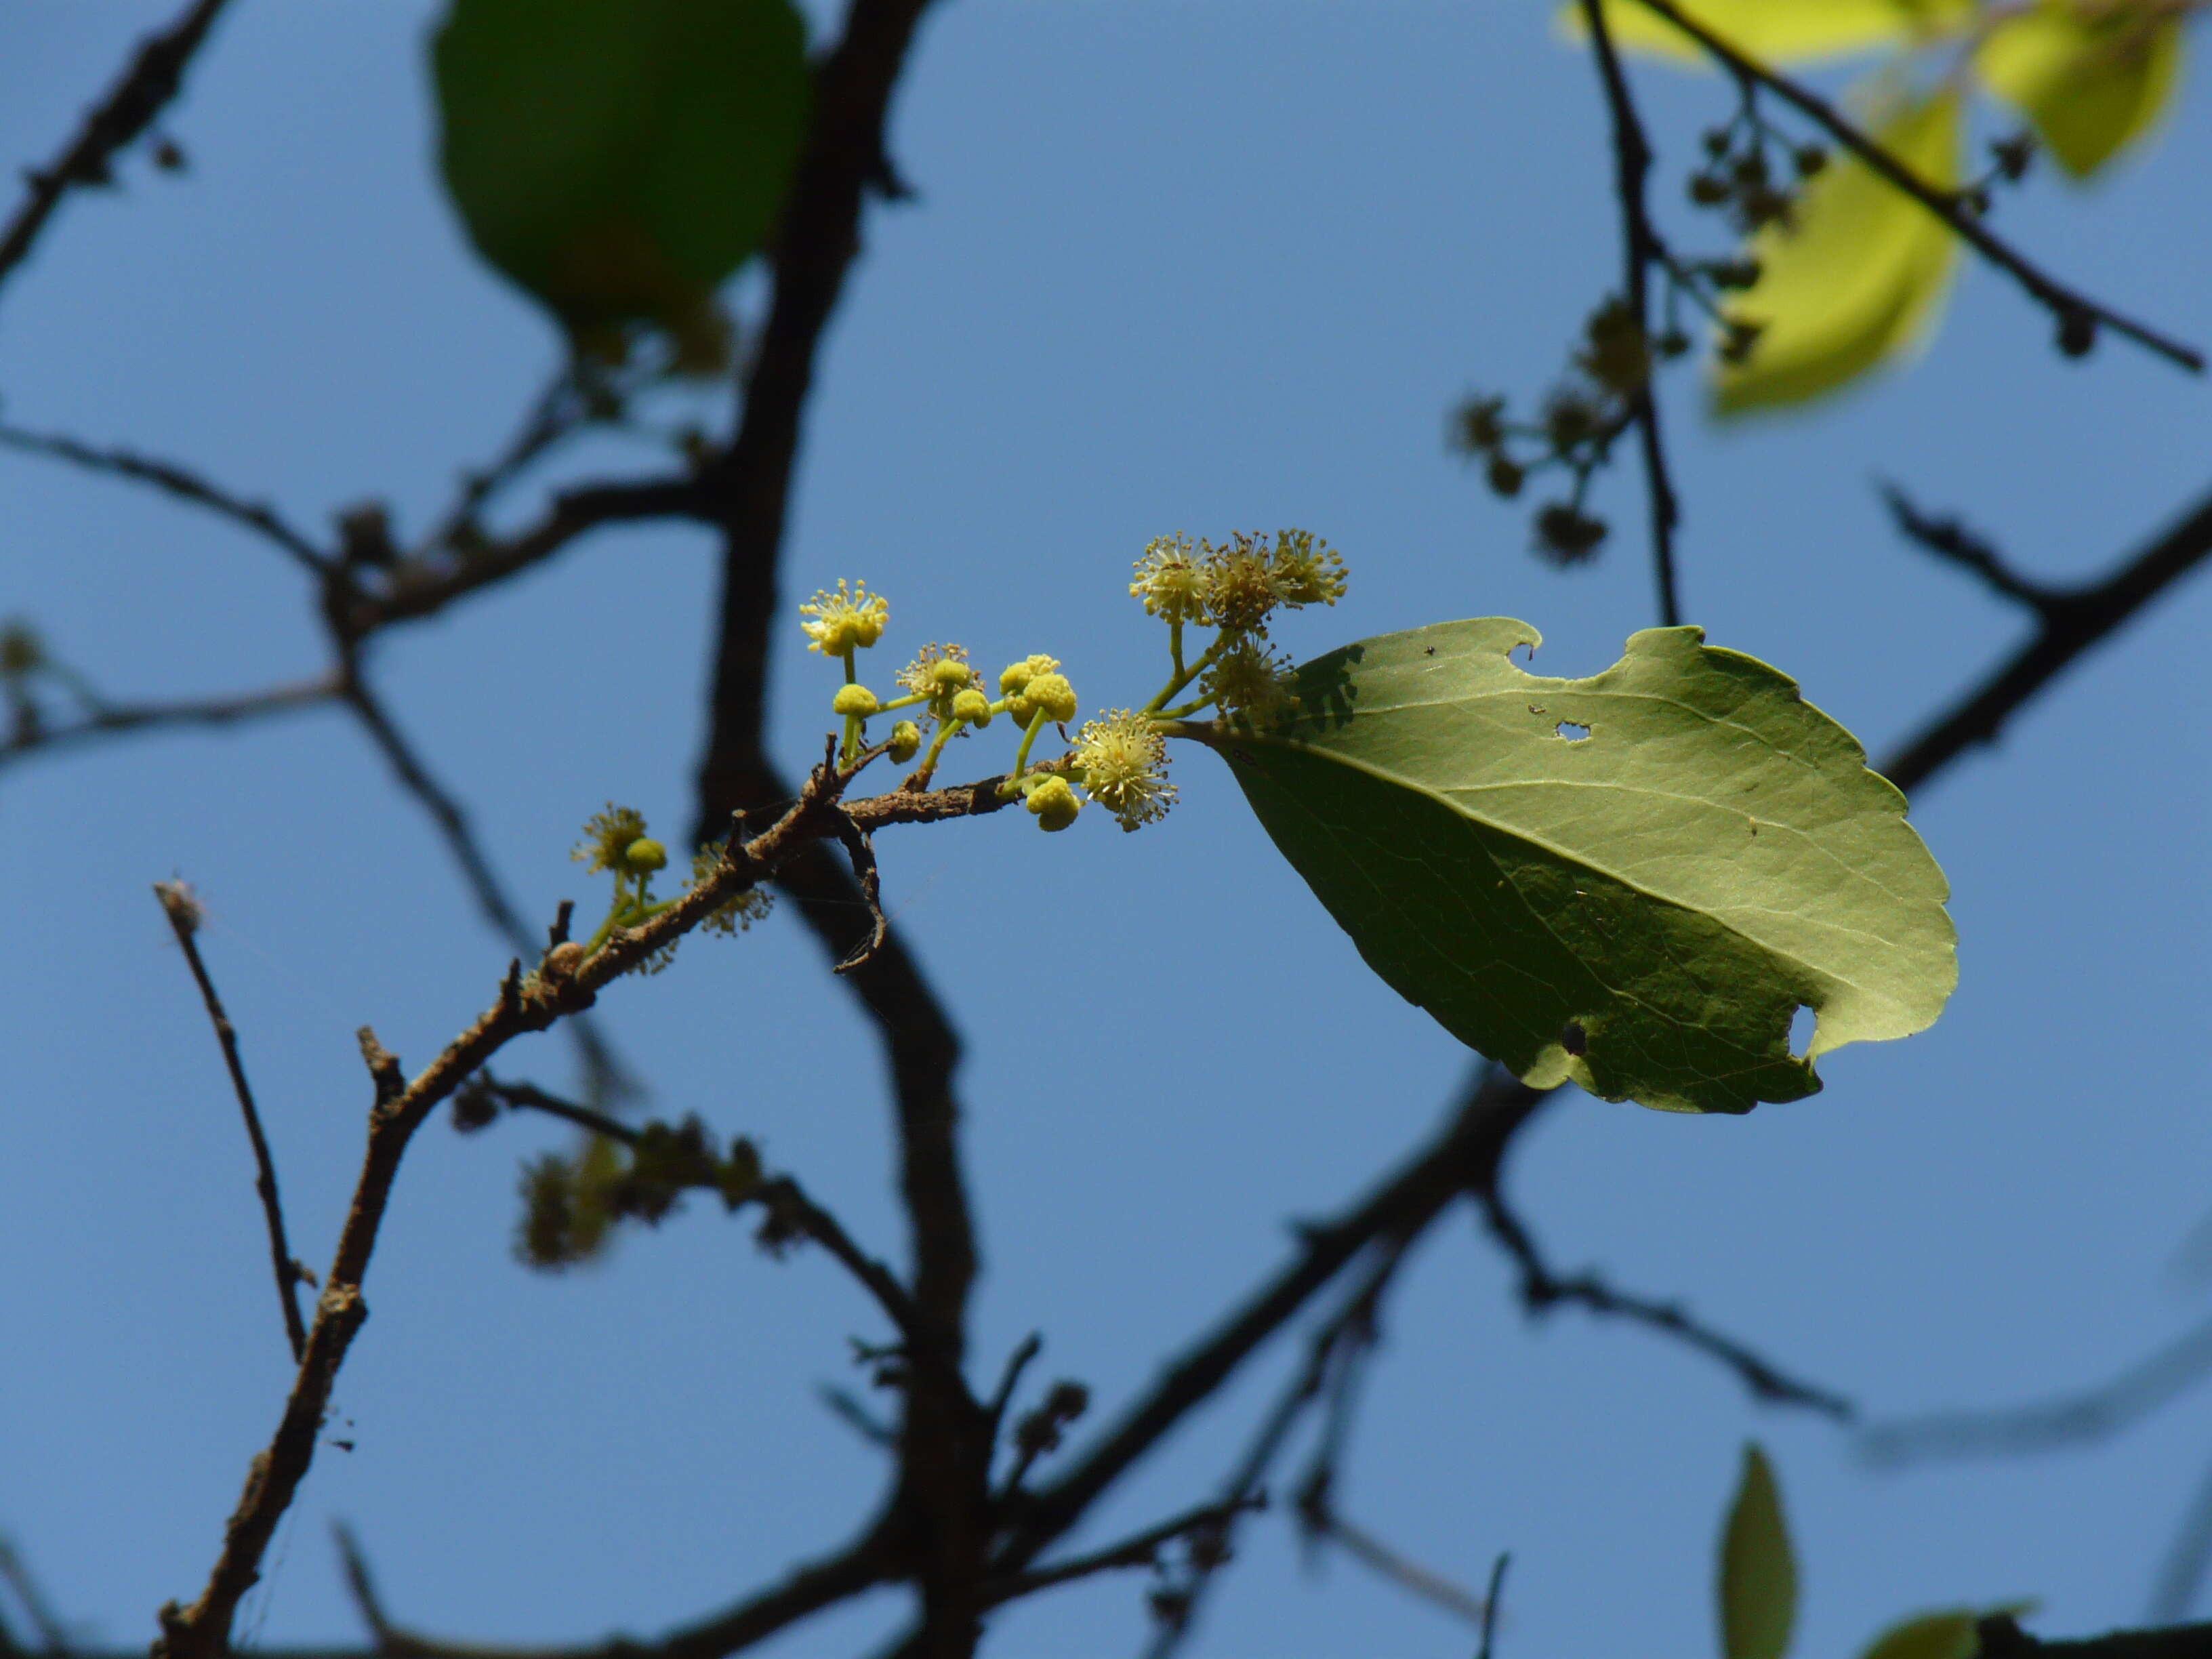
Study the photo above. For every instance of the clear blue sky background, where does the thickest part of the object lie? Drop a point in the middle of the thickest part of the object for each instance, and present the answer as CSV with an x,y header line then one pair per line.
x,y
1173,266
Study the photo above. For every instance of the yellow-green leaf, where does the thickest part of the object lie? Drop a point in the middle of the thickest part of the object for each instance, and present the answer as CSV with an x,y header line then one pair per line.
x,y
1778,31
1759,1574
1931,1635
2091,81
1856,275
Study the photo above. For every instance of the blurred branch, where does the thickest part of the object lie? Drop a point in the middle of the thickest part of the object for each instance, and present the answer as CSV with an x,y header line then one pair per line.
x,y
1490,1599
2078,316
184,914
2003,1638
1362,1547
556,412
115,719
2181,1576
2075,619
53,1638
1640,249
1951,541
1140,1550
1542,1289
2091,1415
179,482
153,77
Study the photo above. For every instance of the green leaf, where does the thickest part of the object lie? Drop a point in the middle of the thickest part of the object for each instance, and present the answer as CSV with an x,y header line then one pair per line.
x,y
1758,1575
1856,275
1776,31
1640,910
2091,83
619,159
1931,1635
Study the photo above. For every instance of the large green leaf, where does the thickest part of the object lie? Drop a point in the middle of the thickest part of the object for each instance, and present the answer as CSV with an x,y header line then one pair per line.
x,y
2092,80
1643,909
1759,1574
619,159
1776,31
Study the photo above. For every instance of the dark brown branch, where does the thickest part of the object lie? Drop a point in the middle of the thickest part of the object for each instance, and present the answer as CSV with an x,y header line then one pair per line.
x,y
563,986
1640,249
153,77
416,589
117,718
2078,619
1140,1550
1456,1161
1490,1599
1541,1290
862,851
184,914
556,412
1950,540
2077,315
2091,1415
2001,1638
180,482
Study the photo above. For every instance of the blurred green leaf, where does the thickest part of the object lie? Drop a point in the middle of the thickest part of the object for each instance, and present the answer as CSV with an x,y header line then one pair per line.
x,y
1758,1575
619,159
1776,31
2091,81
1930,1636
1856,275
1632,881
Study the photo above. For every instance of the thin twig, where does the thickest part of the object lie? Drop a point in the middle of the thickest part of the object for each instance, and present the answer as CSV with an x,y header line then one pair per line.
x,y
555,413
180,482
2093,1414
361,1585
184,914
1950,540
1640,247
847,1409
1140,1550
1490,1599
2083,619
1407,1574
2072,311
862,851
1541,1290
155,73
113,720
2181,1575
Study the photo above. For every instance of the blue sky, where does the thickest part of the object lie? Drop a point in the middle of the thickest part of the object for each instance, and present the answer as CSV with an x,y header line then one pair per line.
x,y
1172,266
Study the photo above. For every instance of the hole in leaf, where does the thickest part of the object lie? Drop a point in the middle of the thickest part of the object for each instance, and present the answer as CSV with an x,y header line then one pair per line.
x,y
1801,1031
1574,1039
1524,653
1571,731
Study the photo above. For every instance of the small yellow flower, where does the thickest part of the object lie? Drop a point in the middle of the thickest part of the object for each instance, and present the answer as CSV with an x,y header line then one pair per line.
x,y
1123,763
973,707
1054,804
1247,679
607,836
906,742
1170,582
741,912
1240,584
845,622
939,673
855,699
1050,692
1307,571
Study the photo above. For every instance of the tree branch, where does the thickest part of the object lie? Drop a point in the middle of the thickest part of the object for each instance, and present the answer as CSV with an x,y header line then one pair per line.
x,y
2077,619
1951,541
1640,247
117,718
1541,1290
184,914
1140,1550
2077,315
154,76
179,482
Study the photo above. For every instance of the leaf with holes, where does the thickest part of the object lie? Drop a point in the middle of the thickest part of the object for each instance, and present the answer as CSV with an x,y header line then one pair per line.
x,y
1758,1570
1641,908
619,159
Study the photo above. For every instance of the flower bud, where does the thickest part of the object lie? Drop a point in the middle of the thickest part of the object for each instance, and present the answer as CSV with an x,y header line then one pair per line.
x,y
906,742
645,855
973,707
1054,804
855,699
1053,694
